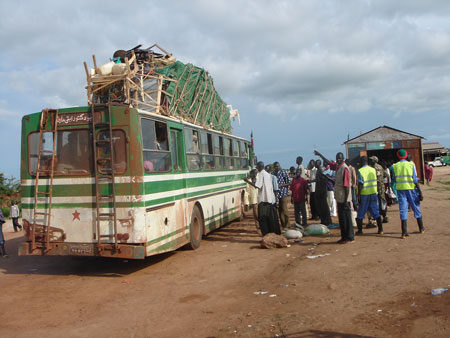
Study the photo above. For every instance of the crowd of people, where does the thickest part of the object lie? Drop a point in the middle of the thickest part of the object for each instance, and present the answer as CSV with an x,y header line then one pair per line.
x,y
325,189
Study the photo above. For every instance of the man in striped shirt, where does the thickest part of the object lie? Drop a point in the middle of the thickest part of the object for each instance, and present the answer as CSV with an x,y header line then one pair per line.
x,y
282,194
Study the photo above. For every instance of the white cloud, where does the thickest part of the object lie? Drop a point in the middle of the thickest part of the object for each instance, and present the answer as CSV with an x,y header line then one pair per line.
x,y
445,136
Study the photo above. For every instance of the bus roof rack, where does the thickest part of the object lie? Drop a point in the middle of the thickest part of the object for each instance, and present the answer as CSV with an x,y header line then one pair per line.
x,y
155,81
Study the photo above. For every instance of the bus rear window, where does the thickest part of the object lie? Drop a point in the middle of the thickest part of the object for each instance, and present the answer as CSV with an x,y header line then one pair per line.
x,y
119,148
72,153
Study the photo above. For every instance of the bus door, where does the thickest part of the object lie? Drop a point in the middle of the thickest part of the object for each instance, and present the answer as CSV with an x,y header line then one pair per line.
x,y
178,168
177,150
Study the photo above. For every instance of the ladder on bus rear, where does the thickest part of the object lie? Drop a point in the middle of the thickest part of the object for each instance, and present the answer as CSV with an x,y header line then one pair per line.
x,y
43,232
106,178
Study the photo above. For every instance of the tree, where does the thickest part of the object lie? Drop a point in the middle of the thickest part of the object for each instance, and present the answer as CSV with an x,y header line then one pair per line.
x,y
9,190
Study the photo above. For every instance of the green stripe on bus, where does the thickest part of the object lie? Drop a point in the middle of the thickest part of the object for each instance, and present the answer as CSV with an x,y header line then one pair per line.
x,y
159,239
165,186
125,188
88,205
133,204
215,224
221,213
83,189
189,195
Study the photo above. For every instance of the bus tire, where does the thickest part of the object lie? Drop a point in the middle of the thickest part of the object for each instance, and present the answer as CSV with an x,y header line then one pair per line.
x,y
195,228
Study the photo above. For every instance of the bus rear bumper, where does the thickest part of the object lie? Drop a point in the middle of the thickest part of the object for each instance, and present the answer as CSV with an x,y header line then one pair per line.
x,y
83,249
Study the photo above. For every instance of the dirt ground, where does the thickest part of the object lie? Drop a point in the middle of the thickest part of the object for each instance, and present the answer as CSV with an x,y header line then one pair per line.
x,y
379,286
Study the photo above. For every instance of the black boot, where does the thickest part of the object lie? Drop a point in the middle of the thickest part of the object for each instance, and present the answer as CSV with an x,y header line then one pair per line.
x,y
380,226
420,224
404,230
359,224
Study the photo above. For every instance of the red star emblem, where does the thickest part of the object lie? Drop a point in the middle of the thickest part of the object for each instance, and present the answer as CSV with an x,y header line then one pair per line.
x,y
76,215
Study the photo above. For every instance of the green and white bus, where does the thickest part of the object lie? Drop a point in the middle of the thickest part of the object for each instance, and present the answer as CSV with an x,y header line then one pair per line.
x,y
157,184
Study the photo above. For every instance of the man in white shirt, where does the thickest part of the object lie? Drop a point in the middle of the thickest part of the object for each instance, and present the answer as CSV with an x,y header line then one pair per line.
x,y
312,199
14,214
266,201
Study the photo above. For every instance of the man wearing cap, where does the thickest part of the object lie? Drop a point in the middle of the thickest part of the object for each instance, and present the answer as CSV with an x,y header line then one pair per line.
x,y
381,175
408,191
367,196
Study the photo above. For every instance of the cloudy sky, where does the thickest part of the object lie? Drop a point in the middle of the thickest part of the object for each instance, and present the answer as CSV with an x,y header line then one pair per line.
x,y
301,73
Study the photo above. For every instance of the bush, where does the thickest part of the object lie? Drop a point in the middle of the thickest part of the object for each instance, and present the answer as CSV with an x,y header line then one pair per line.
x,y
5,212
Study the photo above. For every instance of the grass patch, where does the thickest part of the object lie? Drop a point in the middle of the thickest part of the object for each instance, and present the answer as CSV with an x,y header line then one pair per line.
x,y
445,182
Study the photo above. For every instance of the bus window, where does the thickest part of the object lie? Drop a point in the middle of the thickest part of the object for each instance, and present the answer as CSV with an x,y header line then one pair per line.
x,y
155,146
235,148
72,152
210,144
203,143
227,152
218,151
119,148
244,156
191,140
217,145
206,145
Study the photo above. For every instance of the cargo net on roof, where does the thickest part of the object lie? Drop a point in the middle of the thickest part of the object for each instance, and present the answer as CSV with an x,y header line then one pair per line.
x,y
156,82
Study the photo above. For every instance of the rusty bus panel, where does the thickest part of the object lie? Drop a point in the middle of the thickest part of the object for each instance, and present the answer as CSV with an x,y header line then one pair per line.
x,y
84,249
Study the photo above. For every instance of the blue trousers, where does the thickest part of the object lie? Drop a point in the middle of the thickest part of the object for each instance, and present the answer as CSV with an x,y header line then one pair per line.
x,y
410,197
369,202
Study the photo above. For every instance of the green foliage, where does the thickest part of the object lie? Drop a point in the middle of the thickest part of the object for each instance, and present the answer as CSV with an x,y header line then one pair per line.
x,y
9,191
5,212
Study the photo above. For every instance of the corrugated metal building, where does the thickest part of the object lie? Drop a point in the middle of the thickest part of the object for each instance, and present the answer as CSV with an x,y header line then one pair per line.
x,y
384,142
432,150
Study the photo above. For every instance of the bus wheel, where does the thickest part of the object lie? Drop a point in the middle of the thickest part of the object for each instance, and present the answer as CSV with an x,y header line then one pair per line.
x,y
196,228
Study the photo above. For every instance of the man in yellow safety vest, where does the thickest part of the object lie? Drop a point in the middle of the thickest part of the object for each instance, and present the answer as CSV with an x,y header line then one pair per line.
x,y
367,196
408,191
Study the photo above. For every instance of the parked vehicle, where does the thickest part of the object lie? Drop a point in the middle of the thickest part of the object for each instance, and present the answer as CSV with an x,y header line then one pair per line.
x,y
437,162
136,173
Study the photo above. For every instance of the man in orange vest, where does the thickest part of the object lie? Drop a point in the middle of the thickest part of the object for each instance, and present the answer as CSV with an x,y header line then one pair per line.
x,y
408,191
367,196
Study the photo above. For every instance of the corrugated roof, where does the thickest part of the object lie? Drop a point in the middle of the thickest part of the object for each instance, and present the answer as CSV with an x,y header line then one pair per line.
x,y
383,133
436,146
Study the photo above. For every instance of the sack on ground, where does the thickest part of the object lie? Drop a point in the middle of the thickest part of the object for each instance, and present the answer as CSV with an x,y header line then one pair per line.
x,y
272,240
316,229
293,234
